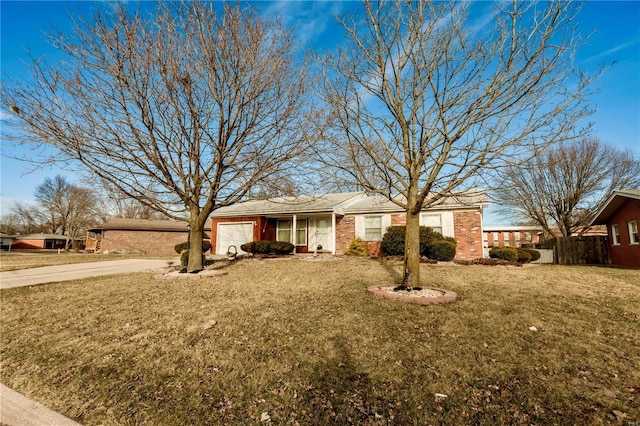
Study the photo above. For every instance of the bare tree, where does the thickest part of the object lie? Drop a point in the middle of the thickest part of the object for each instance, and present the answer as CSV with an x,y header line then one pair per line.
x,y
111,202
422,102
184,111
563,187
22,219
67,209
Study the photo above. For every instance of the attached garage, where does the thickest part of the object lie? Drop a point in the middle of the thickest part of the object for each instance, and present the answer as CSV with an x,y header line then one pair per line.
x,y
233,234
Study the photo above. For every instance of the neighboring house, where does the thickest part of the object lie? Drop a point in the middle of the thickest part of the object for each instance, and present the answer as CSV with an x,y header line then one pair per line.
x,y
510,236
39,242
330,222
156,237
5,241
621,215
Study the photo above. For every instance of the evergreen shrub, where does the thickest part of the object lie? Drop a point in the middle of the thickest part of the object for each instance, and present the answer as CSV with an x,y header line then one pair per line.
x,y
441,250
393,243
357,248
504,253
535,254
268,247
206,246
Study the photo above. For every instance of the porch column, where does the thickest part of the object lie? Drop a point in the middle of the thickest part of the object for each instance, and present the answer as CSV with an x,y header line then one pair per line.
x,y
293,232
333,233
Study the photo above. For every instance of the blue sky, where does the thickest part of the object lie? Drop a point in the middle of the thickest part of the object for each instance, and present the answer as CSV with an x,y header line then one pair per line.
x,y
616,39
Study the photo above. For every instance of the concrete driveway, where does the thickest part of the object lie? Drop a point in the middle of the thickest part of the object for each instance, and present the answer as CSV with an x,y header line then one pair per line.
x,y
75,271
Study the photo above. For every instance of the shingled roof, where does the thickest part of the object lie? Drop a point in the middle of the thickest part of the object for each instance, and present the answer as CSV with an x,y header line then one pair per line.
x,y
340,203
145,225
615,201
288,205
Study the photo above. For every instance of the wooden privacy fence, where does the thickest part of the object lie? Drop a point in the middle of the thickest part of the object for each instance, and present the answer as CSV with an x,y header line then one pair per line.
x,y
582,250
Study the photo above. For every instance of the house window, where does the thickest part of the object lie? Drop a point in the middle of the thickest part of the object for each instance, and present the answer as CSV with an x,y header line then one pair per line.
x,y
633,232
301,232
433,221
615,235
373,228
284,231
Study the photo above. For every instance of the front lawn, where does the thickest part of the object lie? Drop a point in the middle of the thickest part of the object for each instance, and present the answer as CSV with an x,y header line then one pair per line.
x,y
302,342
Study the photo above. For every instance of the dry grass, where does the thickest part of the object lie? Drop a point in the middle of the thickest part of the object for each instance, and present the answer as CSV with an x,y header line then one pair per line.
x,y
11,261
304,343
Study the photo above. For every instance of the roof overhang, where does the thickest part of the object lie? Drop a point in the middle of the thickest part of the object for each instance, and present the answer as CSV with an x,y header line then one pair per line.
x,y
615,201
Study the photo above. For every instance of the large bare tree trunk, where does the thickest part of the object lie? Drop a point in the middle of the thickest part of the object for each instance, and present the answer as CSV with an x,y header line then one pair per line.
x,y
412,251
195,246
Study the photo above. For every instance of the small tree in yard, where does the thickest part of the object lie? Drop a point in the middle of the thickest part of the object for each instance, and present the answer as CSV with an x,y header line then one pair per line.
x,y
422,101
184,111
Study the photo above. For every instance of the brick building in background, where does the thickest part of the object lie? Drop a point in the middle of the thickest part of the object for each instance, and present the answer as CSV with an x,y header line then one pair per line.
x,y
510,236
155,237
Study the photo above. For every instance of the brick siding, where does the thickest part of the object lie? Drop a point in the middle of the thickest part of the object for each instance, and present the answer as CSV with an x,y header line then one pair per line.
x,y
399,219
345,232
160,243
625,253
467,230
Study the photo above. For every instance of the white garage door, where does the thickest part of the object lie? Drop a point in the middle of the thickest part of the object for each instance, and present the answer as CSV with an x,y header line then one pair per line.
x,y
233,234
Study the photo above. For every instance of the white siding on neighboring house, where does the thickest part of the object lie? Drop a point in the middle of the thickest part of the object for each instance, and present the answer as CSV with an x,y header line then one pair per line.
x,y
385,220
446,221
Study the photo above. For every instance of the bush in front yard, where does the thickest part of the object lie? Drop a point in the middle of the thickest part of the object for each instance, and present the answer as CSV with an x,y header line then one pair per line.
x,y
268,247
393,243
206,246
356,248
443,251
535,254
281,247
523,256
504,253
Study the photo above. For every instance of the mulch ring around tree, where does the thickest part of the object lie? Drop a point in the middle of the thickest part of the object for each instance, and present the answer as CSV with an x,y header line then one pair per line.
x,y
176,275
418,295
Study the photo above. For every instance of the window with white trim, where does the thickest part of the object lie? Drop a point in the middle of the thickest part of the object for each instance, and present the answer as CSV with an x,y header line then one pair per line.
x,y
433,221
373,228
633,232
615,235
284,231
301,232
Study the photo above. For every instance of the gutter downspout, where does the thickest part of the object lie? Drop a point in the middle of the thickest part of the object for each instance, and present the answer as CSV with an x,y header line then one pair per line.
x,y
293,234
333,233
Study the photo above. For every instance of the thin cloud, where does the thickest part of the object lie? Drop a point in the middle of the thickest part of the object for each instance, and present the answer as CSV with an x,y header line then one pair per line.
x,y
309,19
613,50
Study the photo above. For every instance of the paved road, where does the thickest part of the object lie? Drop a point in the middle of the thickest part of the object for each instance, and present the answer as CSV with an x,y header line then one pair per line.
x,y
16,409
75,271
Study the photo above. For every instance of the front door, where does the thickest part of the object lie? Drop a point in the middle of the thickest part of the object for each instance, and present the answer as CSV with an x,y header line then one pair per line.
x,y
322,227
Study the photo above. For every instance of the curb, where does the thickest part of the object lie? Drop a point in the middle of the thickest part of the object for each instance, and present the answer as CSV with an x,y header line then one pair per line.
x,y
18,410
